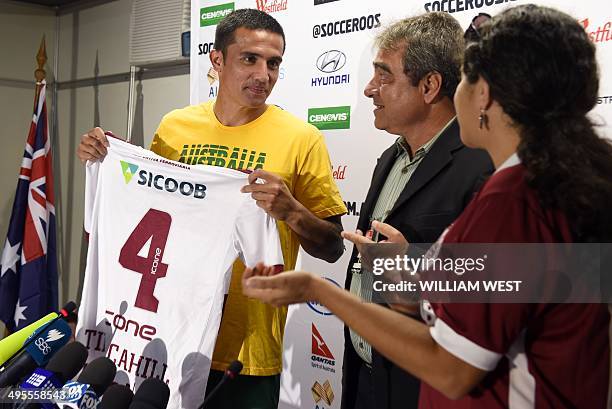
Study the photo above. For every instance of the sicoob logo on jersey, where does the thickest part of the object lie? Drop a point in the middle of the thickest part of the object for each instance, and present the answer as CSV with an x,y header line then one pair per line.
x,y
161,182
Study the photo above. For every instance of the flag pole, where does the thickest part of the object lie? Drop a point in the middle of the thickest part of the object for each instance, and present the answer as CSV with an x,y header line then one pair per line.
x,y
26,242
40,73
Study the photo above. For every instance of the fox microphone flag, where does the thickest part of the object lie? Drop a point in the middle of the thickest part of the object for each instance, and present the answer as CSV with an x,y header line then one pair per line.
x,y
28,267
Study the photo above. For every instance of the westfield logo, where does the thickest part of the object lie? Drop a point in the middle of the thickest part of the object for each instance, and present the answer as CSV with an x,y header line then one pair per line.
x,y
599,34
271,6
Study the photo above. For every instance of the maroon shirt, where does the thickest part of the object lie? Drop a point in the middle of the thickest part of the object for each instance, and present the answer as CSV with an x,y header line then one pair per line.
x,y
536,355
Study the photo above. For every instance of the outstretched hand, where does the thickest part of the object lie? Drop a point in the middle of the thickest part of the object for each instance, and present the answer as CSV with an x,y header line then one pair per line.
x,y
289,287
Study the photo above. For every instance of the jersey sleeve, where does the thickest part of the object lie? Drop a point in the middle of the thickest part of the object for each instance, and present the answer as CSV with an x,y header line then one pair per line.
x,y
479,334
256,237
91,185
315,187
482,333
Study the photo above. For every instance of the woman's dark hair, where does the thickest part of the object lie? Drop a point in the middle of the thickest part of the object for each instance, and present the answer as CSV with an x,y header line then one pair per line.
x,y
541,68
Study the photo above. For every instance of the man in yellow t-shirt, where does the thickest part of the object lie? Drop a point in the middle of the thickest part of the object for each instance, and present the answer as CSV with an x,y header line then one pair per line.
x,y
239,130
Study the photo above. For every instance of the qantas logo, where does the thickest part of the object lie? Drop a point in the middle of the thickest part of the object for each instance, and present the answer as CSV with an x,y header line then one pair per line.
x,y
319,347
322,357
129,170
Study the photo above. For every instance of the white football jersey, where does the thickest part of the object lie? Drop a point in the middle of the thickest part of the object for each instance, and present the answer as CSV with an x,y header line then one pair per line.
x,y
162,240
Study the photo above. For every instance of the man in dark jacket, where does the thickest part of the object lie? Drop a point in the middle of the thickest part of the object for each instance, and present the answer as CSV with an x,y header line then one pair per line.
x,y
420,184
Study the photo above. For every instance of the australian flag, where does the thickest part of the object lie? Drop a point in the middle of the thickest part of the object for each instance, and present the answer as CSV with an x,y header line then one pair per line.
x,y
28,268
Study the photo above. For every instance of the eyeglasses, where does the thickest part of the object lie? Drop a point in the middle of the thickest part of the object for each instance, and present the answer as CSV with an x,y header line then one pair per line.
x,y
472,34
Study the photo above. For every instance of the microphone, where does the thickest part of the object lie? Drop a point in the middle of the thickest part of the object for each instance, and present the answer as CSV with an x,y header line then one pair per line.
x,y
43,344
64,365
68,361
152,394
97,376
116,397
12,348
10,345
231,372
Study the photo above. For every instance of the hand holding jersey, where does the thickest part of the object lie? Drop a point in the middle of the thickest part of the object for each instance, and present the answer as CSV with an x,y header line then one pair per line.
x,y
272,195
93,145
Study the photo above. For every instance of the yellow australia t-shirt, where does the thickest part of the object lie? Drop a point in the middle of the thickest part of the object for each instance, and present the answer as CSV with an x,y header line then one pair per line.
x,y
277,142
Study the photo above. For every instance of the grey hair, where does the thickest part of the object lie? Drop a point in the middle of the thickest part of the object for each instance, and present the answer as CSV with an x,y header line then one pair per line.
x,y
432,42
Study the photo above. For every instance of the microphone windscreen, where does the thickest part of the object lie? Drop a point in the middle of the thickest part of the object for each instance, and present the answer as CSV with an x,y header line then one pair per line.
x,y
68,361
12,343
152,393
48,342
116,397
99,374
234,367
69,307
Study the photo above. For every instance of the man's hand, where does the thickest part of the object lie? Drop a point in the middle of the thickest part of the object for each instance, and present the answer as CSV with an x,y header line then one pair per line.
x,y
289,287
391,233
273,196
93,145
369,251
319,237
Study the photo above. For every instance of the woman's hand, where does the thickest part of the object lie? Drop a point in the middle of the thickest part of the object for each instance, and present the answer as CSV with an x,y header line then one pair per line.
x,y
288,287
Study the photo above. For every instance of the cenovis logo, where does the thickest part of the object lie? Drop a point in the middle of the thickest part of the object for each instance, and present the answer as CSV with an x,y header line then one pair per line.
x,y
210,16
330,117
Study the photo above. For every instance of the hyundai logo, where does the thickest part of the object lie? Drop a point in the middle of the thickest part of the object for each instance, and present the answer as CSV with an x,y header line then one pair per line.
x,y
331,61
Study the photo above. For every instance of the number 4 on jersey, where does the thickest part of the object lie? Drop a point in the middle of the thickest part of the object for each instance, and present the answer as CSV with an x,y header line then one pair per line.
x,y
155,225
